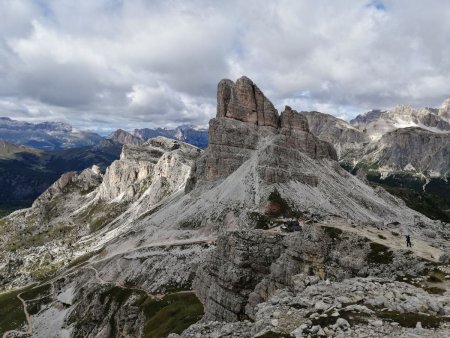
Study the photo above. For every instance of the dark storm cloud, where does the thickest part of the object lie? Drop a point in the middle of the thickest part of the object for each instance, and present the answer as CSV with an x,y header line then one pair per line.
x,y
107,63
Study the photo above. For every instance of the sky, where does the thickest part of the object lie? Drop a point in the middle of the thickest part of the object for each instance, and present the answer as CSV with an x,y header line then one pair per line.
x,y
108,64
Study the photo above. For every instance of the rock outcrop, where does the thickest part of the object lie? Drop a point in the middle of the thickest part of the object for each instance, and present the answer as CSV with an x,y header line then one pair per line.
x,y
245,120
82,204
248,267
355,307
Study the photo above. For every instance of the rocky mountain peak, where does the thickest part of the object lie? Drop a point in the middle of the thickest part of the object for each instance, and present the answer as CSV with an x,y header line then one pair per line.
x,y
245,102
246,122
445,105
444,110
123,137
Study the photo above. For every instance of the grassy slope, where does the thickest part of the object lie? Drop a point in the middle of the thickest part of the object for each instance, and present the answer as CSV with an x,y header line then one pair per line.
x,y
11,312
173,314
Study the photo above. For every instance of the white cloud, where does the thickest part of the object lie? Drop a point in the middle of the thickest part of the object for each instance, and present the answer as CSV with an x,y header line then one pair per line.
x,y
111,63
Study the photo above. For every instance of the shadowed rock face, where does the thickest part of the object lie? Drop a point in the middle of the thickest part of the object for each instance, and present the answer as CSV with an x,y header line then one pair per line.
x,y
247,121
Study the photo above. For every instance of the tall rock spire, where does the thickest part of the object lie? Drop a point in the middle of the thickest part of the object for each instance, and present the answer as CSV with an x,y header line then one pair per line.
x,y
245,102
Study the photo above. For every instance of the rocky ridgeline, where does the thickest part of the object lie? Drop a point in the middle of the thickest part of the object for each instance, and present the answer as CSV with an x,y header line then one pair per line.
x,y
246,119
159,162
376,123
39,240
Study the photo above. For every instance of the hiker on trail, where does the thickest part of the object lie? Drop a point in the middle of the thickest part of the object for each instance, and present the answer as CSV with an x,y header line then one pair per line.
x,y
408,241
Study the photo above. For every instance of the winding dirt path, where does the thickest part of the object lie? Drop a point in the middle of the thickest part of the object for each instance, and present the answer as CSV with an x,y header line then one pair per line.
x,y
25,311
27,315
120,285
101,281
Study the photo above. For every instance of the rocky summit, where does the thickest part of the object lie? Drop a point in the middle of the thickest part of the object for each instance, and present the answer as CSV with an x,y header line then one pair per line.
x,y
175,241
246,120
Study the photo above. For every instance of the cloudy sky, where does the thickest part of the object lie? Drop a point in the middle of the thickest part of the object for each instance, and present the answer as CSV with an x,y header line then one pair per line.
x,y
104,64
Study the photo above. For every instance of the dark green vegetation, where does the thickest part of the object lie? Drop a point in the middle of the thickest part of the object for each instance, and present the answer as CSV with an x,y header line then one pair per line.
x,y
11,312
4,211
436,276
37,297
81,260
434,290
101,214
434,202
173,314
405,319
261,221
379,254
278,206
36,292
26,175
333,233
433,206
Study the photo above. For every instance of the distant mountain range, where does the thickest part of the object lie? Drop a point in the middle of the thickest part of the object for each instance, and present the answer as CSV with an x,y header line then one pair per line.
x,y
34,155
403,149
58,135
46,135
186,133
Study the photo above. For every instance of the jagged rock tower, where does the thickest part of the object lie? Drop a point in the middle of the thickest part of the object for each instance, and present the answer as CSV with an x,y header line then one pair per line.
x,y
245,119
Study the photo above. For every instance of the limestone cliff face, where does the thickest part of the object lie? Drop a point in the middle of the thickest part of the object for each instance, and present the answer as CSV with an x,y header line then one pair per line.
x,y
413,150
247,120
406,150
162,163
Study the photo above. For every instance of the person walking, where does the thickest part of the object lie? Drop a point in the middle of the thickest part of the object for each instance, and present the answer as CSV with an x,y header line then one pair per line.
x,y
408,241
